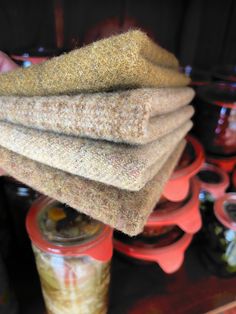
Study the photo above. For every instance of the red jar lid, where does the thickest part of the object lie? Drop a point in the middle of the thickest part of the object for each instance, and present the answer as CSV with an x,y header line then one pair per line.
x,y
78,237
177,188
213,180
184,214
225,210
31,60
225,163
169,258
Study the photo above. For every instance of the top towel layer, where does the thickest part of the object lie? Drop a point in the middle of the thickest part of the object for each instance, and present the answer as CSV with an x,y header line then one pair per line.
x,y
135,116
127,60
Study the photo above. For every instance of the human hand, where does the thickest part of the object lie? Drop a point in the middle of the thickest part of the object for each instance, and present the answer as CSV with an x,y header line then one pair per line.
x,y
6,64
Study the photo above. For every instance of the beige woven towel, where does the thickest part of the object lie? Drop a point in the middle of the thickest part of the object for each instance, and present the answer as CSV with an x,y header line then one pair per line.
x,y
122,116
124,166
123,210
127,60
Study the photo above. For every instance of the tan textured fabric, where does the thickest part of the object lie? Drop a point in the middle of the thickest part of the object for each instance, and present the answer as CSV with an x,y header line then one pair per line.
x,y
124,166
123,210
122,116
127,60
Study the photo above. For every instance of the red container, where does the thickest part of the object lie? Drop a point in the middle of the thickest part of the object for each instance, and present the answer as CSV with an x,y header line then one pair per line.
x,y
185,214
168,254
177,188
215,118
198,77
213,180
225,163
73,254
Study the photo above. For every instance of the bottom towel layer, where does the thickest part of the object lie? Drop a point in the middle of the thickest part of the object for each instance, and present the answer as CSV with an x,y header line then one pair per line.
x,y
124,210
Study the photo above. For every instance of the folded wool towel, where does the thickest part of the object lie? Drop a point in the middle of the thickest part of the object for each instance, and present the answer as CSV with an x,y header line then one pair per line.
x,y
122,116
124,166
127,60
123,210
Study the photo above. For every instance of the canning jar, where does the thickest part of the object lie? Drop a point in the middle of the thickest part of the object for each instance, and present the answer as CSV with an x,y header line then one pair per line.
x,y
215,118
219,237
198,77
177,188
72,253
234,180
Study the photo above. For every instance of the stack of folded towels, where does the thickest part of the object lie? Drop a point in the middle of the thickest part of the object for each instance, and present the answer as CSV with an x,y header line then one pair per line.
x,y
100,128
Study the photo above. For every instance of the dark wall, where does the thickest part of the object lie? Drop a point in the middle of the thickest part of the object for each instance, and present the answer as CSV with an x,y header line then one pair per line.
x,y
199,32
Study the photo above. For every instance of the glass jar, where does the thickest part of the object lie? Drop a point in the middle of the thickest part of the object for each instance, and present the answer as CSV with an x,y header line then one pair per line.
x,y
72,253
177,188
215,118
219,237
213,184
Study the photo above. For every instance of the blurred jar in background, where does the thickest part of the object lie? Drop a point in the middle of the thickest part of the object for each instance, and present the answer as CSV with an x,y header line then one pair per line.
x,y
215,118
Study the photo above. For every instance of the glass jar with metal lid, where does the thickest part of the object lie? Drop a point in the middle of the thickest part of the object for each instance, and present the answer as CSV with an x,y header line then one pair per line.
x,y
73,254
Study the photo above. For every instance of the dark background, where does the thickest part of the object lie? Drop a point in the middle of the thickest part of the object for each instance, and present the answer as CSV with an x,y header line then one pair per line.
x,y
199,32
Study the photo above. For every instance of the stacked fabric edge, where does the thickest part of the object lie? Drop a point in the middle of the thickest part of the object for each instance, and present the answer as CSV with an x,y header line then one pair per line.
x,y
100,128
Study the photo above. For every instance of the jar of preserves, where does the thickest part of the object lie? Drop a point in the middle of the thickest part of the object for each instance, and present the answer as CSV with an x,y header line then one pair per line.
x,y
213,184
177,188
72,253
215,118
219,237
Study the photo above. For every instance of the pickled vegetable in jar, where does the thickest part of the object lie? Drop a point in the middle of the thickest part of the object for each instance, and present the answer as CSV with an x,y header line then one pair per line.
x,y
219,235
72,253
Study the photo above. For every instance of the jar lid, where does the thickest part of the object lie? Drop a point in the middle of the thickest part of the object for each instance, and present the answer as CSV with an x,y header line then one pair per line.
x,y
220,94
192,159
169,257
213,180
225,163
225,210
184,214
59,229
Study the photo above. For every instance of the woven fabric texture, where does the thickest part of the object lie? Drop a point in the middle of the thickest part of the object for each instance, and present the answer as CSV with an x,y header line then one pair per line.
x,y
123,210
125,166
132,116
129,60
